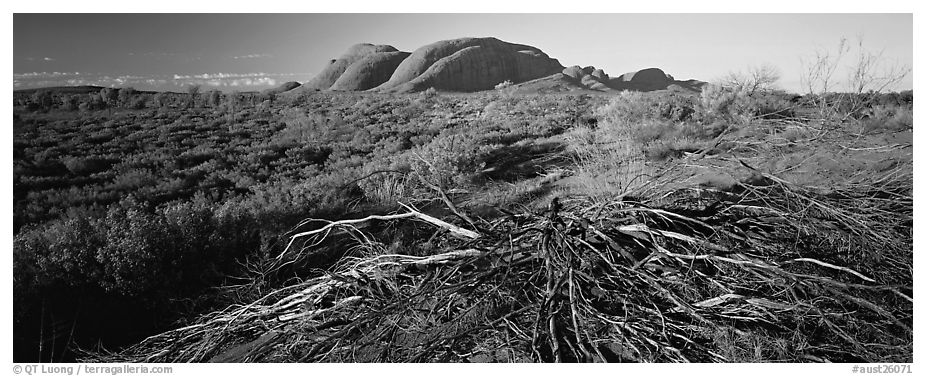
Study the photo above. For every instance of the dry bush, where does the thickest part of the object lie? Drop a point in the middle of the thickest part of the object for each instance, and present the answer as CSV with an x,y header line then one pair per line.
x,y
795,134
734,105
449,160
607,163
385,185
853,70
887,117
83,166
754,80
663,126
614,159
633,107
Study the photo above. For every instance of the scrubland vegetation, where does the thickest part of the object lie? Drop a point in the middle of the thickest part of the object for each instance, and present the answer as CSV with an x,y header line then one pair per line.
x,y
735,224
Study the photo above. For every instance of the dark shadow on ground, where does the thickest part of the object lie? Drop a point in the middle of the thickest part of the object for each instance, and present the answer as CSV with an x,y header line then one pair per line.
x,y
518,162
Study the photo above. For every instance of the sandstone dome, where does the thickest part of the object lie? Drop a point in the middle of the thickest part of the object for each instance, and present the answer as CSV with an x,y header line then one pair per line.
x,y
588,77
370,71
646,79
473,64
335,68
469,64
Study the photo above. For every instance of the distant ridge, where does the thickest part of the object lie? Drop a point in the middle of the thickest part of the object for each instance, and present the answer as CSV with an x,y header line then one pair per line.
x,y
63,89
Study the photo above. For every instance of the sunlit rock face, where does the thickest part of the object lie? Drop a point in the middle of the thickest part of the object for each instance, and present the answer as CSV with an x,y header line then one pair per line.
x,y
469,64
336,68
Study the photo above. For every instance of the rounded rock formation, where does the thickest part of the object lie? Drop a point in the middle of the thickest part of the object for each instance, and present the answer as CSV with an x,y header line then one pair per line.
x,y
474,64
647,79
370,71
588,77
469,64
335,68
574,71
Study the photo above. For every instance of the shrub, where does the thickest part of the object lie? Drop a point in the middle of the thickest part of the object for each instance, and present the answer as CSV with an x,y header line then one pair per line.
x,y
429,93
127,96
133,179
648,131
62,252
109,96
386,184
199,253
72,246
647,117
28,246
888,117
96,101
634,107
214,98
264,107
450,160
607,163
869,75
42,99
161,99
83,166
774,106
193,92
138,103
492,109
136,247
731,104
69,102
754,81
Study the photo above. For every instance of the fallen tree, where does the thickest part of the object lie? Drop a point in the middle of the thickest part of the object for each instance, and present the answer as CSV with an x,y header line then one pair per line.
x,y
763,271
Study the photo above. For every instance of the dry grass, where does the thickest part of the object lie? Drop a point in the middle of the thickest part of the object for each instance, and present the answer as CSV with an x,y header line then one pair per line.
x,y
608,165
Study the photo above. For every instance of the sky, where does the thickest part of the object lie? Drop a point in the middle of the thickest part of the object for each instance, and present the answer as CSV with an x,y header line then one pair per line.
x,y
255,51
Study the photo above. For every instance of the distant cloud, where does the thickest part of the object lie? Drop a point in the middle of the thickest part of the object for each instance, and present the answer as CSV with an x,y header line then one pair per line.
x,y
168,56
252,56
160,54
206,76
45,79
235,81
44,74
48,79
30,58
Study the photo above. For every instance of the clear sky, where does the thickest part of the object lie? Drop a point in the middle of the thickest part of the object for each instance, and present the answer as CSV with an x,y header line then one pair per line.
x,y
254,51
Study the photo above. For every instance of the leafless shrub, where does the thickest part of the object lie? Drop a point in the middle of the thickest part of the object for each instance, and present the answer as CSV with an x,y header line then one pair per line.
x,y
866,72
754,80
